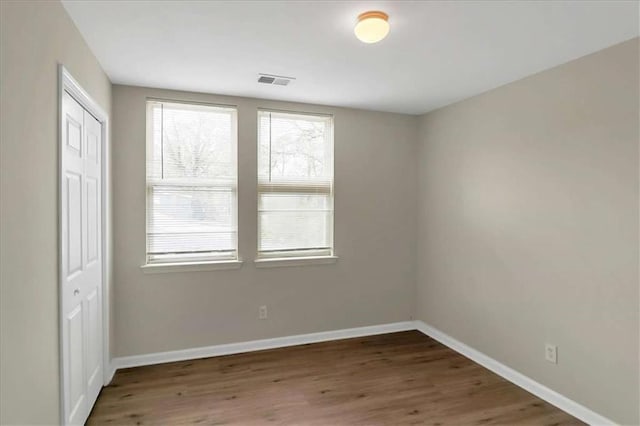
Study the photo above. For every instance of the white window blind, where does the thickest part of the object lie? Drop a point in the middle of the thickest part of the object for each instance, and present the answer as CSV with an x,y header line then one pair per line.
x,y
295,185
191,182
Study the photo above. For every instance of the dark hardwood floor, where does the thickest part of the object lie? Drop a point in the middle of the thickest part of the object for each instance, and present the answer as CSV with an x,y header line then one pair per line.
x,y
392,379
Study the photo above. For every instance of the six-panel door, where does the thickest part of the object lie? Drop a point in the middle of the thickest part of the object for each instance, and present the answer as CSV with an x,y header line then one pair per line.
x,y
81,238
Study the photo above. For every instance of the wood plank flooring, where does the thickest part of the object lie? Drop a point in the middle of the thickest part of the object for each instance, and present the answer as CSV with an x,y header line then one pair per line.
x,y
393,379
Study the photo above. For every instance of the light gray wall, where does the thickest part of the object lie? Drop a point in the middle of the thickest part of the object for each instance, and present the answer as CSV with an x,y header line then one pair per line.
x,y
527,213
34,38
528,227
375,215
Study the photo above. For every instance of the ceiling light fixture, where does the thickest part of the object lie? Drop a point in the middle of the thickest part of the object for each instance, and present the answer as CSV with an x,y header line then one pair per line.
x,y
372,26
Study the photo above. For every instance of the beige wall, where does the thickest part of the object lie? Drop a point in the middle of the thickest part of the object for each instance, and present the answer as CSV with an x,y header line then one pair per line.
x,y
528,222
375,213
527,215
34,37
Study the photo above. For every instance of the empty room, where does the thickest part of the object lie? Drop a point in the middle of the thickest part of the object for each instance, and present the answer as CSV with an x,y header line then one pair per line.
x,y
319,212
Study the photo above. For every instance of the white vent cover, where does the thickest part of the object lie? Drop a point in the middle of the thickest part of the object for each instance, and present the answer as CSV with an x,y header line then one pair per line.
x,y
278,80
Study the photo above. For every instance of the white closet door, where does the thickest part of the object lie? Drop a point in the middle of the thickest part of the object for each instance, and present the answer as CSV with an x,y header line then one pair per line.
x,y
81,260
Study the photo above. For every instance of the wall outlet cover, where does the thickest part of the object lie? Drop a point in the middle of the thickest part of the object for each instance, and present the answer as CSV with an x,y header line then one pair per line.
x,y
551,353
262,312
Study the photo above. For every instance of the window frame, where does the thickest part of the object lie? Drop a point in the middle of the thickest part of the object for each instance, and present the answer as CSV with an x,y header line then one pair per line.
x,y
179,263
294,257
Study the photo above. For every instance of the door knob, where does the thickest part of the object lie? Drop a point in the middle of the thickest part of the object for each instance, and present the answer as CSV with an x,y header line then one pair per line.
x,y
76,292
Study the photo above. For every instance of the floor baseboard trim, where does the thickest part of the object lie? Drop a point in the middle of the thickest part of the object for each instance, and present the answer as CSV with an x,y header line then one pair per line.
x,y
552,397
258,345
111,370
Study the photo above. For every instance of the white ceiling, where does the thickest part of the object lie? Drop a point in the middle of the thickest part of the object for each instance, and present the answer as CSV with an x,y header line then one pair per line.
x,y
437,52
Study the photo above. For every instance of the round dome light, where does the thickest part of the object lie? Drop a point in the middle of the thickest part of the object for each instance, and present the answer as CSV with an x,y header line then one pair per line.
x,y
372,26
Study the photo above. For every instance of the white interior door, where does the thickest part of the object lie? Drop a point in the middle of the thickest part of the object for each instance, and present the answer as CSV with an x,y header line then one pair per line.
x,y
81,259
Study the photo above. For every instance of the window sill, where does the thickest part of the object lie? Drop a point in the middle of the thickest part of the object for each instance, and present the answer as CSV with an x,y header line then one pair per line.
x,y
159,268
294,261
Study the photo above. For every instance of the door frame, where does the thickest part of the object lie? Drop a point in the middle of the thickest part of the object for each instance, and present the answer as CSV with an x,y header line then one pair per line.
x,y
67,83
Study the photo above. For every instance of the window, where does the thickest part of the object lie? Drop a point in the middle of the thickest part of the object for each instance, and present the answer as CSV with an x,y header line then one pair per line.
x,y
295,185
191,183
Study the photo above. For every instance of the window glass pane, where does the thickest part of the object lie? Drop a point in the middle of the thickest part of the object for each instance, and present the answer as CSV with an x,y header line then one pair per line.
x,y
184,219
294,230
192,142
294,147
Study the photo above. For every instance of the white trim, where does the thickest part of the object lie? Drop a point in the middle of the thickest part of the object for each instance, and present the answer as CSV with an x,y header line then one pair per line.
x,y
190,102
292,112
110,370
159,268
519,379
294,261
226,183
259,345
67,83
309,188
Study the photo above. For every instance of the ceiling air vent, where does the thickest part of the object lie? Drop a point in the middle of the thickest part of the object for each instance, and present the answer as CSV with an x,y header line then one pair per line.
x,y
278,80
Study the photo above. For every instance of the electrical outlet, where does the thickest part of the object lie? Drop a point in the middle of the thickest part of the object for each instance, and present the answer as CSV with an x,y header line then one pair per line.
x,y
551,353
262,312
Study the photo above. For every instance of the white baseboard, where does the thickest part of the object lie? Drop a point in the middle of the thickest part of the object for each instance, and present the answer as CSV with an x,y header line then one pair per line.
x,y
110,370
258,345
552,397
